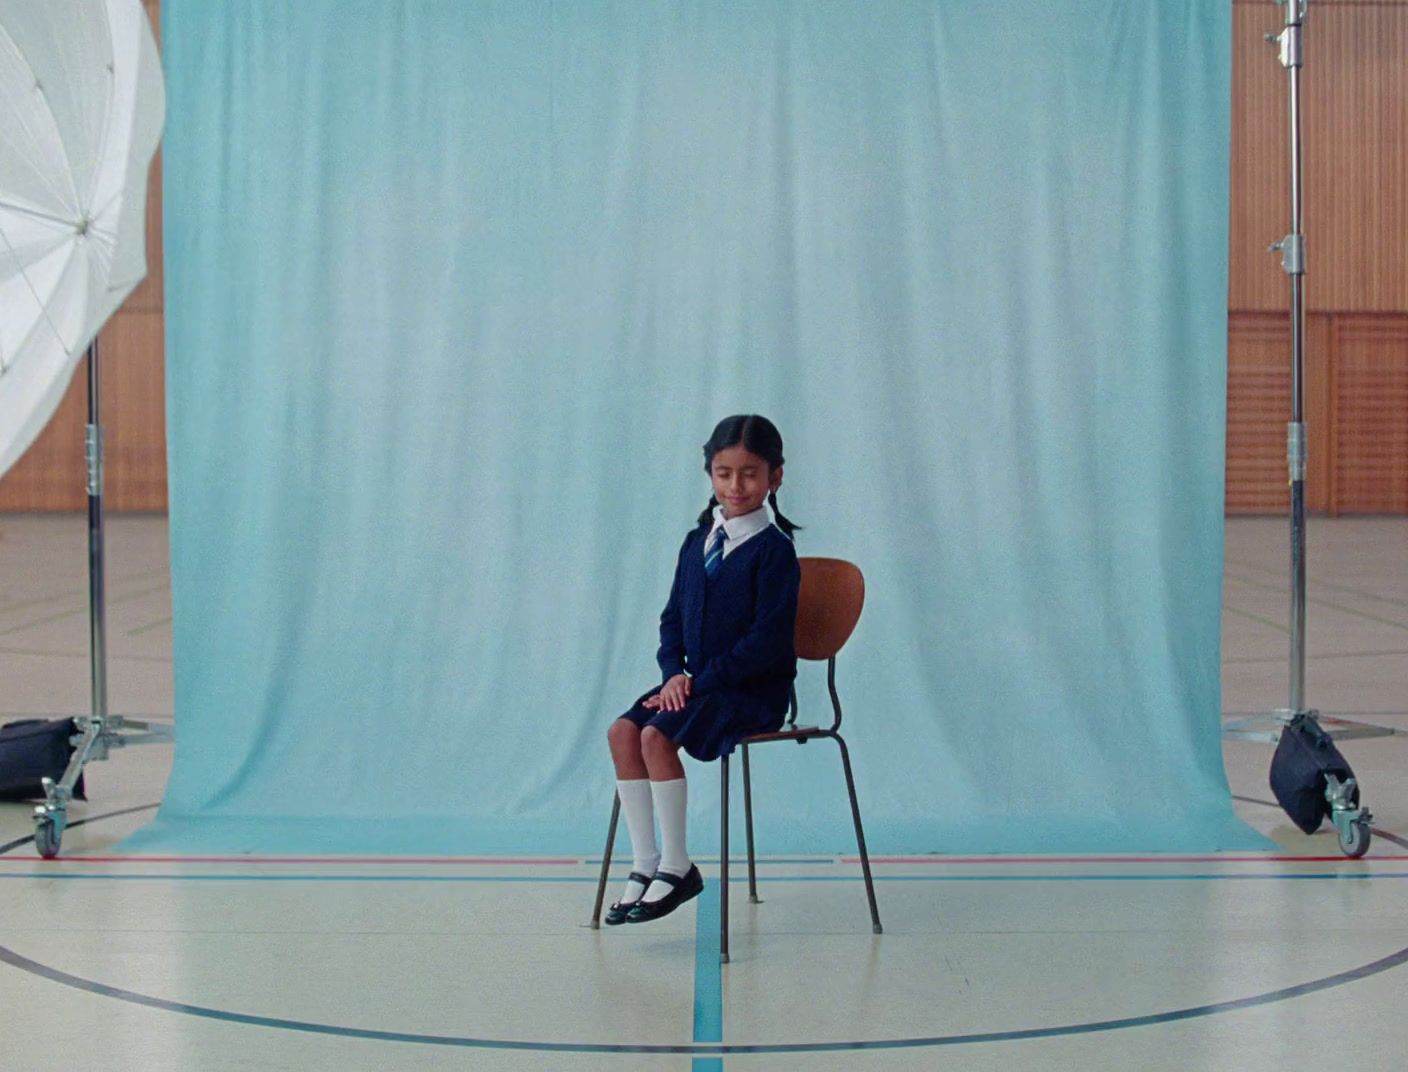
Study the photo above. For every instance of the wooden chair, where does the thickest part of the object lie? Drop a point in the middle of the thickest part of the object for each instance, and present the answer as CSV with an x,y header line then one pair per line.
x,y
833,592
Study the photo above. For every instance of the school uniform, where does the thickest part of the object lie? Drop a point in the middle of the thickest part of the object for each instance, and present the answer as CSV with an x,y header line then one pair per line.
x,y
732,632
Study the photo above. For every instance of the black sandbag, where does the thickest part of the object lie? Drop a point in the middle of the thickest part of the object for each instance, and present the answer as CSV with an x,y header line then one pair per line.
x,y
31,749
1303,758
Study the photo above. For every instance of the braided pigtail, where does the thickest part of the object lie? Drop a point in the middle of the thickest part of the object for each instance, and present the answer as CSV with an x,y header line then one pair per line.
x,y
782,522
707,516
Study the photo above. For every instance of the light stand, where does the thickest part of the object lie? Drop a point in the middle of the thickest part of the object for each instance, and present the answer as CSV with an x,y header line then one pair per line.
x,y
99,732
1350,819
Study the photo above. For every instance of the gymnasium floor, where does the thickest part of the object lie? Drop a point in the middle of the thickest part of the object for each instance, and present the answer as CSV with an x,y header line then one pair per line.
x,y
1294,958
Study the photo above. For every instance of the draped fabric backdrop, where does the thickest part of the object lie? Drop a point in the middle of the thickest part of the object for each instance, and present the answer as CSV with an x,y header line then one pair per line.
x,y
456,291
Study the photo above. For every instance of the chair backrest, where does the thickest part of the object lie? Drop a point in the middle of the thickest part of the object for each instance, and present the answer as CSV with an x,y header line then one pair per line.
x,y
833,592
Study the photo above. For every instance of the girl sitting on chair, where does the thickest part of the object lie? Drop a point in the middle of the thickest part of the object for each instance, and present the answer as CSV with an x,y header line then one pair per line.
x,y
726,653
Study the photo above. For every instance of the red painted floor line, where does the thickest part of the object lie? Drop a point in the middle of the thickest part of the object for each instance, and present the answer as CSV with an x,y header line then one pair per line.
x,y
563,861
497,861
1113,859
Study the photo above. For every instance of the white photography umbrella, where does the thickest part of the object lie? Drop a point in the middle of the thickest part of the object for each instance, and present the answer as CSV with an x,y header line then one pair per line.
x,y
81,111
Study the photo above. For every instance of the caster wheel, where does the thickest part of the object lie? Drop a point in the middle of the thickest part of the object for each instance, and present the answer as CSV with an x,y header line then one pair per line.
x,y
46,839
1355,842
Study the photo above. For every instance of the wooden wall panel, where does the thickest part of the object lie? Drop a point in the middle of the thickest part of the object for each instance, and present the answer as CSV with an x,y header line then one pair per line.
x,y
52,474
1370,413
1356,413
133,374
1259,190
1356,167
1354,132
1354,98
1258,403
1319,409
1259,408
147,297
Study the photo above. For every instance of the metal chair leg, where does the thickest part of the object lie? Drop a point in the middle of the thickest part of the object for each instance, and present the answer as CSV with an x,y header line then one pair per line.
x,y
748,826
723,860
860,835
606,861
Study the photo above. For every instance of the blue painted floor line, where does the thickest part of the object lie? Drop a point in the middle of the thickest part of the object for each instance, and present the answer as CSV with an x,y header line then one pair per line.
x,y
708,977
1357,876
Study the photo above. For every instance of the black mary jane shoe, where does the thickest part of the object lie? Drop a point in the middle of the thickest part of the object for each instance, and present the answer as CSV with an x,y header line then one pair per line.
x,y
616,914
686,887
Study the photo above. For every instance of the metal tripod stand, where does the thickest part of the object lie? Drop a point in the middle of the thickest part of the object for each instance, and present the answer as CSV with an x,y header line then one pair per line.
x,y
99,732
1350,817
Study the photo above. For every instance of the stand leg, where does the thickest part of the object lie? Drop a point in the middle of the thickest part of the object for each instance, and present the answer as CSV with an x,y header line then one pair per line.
x,y
97,587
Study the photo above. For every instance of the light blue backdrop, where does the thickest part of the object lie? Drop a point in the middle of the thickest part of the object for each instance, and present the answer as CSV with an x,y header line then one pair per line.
x,y
456,290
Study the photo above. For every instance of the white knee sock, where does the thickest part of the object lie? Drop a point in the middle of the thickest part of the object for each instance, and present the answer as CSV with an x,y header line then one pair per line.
x,y
640,822
670,800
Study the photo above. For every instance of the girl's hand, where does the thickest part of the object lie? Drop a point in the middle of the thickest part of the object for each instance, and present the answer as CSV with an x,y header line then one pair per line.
x,y
673,696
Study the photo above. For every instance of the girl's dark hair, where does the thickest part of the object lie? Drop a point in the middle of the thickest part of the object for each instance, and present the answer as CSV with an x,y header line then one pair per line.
x,y
757,435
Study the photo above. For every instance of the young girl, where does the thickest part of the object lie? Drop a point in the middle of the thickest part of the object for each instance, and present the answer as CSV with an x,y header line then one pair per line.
x,y
726,655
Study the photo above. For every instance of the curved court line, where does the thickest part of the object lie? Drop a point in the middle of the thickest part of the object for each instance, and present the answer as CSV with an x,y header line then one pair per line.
x,y
124,597
1323,602
11,845
1393,839
1364,971
1393,960
1350,589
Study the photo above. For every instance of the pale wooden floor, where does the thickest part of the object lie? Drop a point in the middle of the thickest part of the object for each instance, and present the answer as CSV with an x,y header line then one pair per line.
x,y
986,964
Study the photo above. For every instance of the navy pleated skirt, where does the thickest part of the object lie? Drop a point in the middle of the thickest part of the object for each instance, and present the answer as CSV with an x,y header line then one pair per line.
x,y
711,725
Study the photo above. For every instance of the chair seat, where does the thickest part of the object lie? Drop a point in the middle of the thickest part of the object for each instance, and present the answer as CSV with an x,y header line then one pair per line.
x,y
792,733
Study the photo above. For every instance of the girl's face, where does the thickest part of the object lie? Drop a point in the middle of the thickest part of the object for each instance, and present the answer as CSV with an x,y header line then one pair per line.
x,y
742,480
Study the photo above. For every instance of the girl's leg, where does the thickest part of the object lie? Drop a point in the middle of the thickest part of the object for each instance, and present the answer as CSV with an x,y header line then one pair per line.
x,y
661,756
634,790
624,739
667,786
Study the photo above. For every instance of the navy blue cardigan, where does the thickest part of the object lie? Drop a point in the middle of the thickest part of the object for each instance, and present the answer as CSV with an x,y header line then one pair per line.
x,y
735,630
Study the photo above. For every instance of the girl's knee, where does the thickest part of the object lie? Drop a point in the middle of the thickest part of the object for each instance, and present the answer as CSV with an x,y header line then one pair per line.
x,y
623,733
653,742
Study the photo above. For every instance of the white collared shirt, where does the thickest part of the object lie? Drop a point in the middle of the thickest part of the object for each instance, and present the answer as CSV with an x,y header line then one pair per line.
x,y
739,529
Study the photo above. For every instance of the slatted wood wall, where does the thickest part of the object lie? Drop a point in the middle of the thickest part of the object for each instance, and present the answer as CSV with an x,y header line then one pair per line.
x,y
1368,419
1354,131
1355,134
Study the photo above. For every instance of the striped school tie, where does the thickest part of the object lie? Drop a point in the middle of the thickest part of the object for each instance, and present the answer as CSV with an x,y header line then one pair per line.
x,y
715,558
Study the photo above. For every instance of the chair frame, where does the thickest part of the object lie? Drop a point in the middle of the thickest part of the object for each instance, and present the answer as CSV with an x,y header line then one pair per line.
x,y
801,734
790,731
